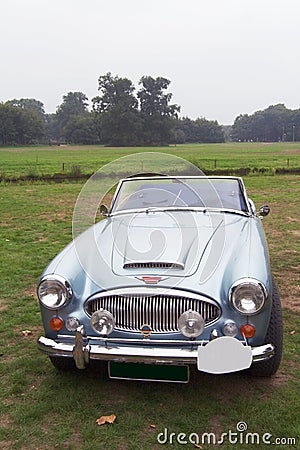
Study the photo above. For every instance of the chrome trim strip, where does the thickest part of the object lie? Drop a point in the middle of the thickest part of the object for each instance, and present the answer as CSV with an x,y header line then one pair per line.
x,y
263,352
204,210
142,341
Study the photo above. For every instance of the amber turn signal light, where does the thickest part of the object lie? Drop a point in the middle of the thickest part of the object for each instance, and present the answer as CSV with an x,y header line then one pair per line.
x,y
56,323
247,330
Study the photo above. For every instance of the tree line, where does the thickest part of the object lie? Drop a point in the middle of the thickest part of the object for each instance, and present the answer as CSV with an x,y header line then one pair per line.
x,y
273,124
123,115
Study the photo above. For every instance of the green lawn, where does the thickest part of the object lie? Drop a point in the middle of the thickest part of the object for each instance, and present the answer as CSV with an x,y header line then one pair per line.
x,y
39,161
43,409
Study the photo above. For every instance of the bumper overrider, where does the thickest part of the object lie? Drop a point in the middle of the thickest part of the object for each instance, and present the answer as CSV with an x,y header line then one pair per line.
x,y
221,355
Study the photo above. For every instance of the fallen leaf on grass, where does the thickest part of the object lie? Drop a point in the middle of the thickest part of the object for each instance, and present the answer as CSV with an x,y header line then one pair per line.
x,y
106,419
293,332
26,332
152,425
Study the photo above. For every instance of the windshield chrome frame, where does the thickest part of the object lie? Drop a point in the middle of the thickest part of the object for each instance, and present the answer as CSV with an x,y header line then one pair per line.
x,y
182,208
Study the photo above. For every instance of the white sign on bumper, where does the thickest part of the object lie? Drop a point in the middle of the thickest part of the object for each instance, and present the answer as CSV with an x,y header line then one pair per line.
x,y
223,355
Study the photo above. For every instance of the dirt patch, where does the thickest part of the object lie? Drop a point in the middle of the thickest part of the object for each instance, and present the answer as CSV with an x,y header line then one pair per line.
x,y
295,232
5,421
30,292
289,298
245,386
216,427
281,377
3,305
6,445
291,302
292,151
293,219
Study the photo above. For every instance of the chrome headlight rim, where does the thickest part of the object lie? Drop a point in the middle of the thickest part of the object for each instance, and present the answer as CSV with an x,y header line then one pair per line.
x,y
61,283
243,282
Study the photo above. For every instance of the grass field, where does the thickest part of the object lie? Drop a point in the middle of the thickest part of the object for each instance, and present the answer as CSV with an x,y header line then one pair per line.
x,y
41,161
43,409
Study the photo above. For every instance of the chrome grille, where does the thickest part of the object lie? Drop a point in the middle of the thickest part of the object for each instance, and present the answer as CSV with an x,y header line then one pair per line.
x,y
159,310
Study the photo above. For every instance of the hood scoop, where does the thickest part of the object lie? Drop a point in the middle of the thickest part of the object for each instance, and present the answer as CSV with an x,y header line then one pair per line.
x,y
153,265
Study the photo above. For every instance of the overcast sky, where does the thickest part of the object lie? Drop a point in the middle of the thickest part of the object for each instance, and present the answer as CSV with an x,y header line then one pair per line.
x,y
223,57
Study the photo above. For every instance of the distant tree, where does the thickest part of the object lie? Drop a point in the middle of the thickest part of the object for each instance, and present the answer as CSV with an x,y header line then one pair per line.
x,y
209,131
81,129
21,123
31,127
201,130
8,132
74,104
293,130
117,111
156,111
227,132
178,136
275,123
29,104
53,128
242,129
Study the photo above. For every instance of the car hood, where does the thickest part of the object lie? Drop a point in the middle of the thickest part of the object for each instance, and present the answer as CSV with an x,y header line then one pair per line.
x,y
161,241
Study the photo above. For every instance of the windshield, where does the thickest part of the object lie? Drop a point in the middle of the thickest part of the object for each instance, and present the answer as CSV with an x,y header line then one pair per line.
x,y
164,192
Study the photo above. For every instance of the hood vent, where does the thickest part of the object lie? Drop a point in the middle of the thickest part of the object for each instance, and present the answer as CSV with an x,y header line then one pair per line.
x,y
153,265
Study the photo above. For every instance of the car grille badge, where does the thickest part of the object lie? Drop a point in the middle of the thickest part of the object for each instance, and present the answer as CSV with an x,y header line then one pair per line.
x,y
146,330
151,279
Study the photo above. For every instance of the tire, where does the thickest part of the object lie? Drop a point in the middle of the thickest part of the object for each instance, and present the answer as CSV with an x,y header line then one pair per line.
x,y
274,336
63,363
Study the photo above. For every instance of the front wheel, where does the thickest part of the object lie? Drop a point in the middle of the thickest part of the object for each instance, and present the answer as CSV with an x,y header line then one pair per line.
x,y
274,336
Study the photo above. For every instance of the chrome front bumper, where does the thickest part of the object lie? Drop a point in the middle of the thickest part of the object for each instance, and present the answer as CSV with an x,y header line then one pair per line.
x,y
82,351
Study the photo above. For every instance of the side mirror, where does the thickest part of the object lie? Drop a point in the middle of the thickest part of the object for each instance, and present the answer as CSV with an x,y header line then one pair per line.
x,y
264,211
103,210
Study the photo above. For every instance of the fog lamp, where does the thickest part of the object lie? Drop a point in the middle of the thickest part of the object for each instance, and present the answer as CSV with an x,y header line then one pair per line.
x,y
72,324
102,322
191,324
230,329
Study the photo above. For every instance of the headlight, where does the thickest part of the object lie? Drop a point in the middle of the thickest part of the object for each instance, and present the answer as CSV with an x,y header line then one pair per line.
x,y
102,322
54,291
191,324
248,296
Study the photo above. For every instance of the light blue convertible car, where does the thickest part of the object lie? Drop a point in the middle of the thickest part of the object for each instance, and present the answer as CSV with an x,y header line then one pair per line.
x,y
176,274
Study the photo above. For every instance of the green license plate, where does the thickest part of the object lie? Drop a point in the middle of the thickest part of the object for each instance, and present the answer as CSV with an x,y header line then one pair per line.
x,y
148,372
